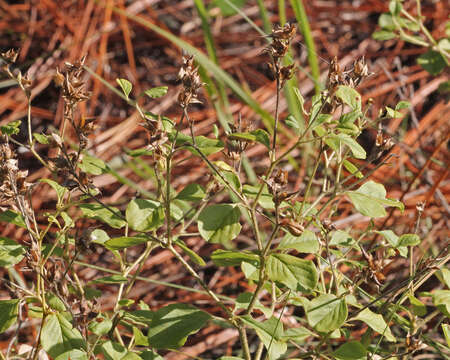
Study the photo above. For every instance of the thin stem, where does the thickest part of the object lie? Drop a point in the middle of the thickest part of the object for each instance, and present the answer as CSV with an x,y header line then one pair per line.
x,y
199,280
275,129
311,178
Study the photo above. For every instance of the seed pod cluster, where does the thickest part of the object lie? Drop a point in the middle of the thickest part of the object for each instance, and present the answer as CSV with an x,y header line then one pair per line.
x,y
191,82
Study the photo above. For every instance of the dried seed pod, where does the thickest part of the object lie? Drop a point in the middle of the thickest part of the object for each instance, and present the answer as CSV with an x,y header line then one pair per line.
x,y
281,178
293,227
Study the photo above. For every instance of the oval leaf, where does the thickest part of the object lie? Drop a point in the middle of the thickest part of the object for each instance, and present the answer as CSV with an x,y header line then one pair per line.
x,y
370,200
144,215
125,85
156,92
292,271
305,243
219,223
11,252
326,313
172,324
376,322
9,310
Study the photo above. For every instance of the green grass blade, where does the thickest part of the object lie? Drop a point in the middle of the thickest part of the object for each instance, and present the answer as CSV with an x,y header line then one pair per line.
x,y
292,100
203,60
303,23
265,18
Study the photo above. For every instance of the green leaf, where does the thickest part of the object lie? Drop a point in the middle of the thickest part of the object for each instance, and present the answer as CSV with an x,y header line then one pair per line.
x,y
192,254
326,313
250,271
356,149
265,199
73,355
150,355
99,236
445,276
192,192
41,138
386,22
444,44
393,239
125,86
139,338
11,252
206,145
100,325
432,61
402,105
393,114
234,258
226,9
305,243
93,165
446,331
383,35
13,217
349,96
125,302
292,122
54,302
124,242
341,238
352,350
408,240
299,335
441,299
395,7
144,215
418,308
113,351
370,200
292,271
112,279
9,310
58,336
352,169
243,301
60,190
156,92
258,135
110,215
271,334
12,128
172,324
219,223
376,322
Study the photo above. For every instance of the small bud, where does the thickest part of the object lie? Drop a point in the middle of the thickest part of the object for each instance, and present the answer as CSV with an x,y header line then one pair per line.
x,y
328,225
281,177
420,206
10,56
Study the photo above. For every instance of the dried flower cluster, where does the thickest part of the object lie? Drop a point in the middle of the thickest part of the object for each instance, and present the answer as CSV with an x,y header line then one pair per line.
x,y
338,77
13,181
236,146
191,82
278,48
352,77
276,186
9,57
74,92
